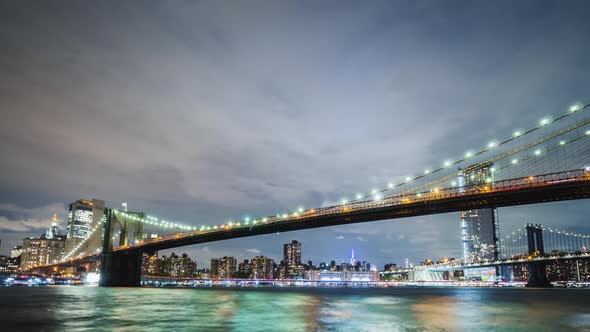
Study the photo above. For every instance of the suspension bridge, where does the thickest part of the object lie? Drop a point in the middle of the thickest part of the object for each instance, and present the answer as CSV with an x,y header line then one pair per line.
x,y
550,161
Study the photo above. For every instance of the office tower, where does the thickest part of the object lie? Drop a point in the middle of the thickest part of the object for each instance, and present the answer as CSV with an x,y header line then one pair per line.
x,y
86,220
479,227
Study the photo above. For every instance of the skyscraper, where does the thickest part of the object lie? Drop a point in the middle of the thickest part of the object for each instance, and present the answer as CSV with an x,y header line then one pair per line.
x,y
479,228
292,253
53,231
83,217
292,260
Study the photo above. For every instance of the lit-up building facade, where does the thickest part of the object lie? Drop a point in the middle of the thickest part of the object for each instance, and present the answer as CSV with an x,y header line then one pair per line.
x,y
83,217
223,268
46,249
479,228
291,266
262,268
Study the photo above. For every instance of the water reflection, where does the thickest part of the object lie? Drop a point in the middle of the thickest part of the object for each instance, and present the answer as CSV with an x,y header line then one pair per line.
x,y
66,308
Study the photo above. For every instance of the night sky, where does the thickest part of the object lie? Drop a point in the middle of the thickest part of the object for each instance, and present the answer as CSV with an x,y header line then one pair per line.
x,y
202,111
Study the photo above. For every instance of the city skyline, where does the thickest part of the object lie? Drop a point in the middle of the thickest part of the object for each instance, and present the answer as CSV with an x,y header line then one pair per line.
x,y
257,113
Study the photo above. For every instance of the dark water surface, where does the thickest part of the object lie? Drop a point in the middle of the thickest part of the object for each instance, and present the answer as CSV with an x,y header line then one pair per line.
x,y
77,308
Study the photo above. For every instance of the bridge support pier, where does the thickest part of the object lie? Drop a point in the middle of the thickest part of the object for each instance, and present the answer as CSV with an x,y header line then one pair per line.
x,y
537,270
121,269
118,268
538,275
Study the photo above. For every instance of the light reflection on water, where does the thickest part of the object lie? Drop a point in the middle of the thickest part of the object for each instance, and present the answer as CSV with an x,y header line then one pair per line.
x,y
66,308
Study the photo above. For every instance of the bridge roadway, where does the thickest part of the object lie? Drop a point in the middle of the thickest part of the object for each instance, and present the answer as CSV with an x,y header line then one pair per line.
x,y
567,185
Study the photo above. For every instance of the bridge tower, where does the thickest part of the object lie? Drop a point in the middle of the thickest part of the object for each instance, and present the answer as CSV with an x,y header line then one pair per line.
x,y
121,268
537,270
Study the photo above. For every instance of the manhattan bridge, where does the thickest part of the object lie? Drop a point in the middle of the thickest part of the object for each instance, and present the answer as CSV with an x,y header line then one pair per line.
x,y
546,162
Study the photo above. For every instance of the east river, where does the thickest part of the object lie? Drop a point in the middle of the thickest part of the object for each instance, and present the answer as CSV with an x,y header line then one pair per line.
x,y
79,308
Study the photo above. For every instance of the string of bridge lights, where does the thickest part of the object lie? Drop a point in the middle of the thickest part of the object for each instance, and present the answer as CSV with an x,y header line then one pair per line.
x,y
152,220
558,231
81,243
375,194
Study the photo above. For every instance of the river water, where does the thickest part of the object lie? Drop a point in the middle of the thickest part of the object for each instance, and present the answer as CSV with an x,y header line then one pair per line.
x,y
79,308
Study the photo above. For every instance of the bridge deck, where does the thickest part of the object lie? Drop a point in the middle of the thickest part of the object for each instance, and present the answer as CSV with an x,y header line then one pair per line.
x,y
529,190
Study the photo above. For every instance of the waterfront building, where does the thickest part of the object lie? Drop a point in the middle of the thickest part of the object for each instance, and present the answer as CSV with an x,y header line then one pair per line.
x,y
292,261
47,248
313,274
146,260
262,268
7,265
171,266
223,268
244,269
83,217
16,251
180,266
479,227
568,270
347,275
390,267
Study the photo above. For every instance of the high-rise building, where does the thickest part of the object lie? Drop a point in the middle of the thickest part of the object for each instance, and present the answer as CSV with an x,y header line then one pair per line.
x,y
46,249
262,268
292,261
53,230
179,266
86,220
223,268
479,227
292,253
244,269
147,261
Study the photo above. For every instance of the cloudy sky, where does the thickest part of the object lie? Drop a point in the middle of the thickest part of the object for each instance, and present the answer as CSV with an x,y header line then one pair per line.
x,y
201,111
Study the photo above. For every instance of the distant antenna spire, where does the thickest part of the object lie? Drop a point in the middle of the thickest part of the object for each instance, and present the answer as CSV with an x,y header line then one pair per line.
x,y
54,220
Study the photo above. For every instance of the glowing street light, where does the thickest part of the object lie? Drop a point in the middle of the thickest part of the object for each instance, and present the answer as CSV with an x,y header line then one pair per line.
x,y
575,107
545,121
